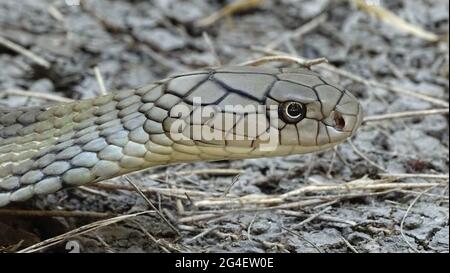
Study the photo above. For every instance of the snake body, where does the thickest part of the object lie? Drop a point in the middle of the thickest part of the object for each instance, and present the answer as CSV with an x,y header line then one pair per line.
x,y
45,149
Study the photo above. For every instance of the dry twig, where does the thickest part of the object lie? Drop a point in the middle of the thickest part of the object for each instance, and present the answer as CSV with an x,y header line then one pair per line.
x,y
100,81
406,114
300,31
366,158
54,213
312,217
228,10
281,201
286,59
368,82
303,238
25,52
79,231
347,243
404,218
33,94
152,206
393,20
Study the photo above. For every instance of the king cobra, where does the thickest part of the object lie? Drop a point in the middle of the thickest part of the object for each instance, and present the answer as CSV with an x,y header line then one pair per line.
x,y
45,149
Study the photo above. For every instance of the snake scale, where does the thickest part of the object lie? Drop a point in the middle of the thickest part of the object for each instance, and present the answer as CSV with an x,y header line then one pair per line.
x,y
45,149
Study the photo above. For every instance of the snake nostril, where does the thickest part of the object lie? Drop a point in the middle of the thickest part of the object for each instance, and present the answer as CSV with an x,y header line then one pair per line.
x,y
339,121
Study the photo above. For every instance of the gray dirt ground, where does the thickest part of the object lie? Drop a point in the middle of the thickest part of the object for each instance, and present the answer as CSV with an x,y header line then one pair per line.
x,y
136,42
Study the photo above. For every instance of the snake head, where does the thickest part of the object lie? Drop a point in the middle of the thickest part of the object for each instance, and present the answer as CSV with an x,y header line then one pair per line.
x,y
314,113
253,112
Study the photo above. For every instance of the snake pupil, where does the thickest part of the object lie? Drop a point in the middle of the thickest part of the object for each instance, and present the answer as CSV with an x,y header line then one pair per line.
x,y
294,109
292,112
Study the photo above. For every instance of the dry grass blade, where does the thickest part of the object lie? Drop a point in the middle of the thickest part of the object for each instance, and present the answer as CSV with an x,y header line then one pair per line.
x,y
282,200
406,114
374,83
404,218
368,82
160,243
285,59
392,88
312,217
54,213
326,218
79,231
366,158
100,81
347,243
227,190
138,190
395,21
228,10
171,192
354,189
201,234
212,49
23,51
303,238
33,94
55,13
199,217
249,229
302,30
415,175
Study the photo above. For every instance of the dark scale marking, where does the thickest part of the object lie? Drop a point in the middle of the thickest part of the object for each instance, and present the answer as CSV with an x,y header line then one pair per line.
x,y
340,98
272,98
317,134
320,102
154,87
298,133
328,134
235,124
176,148
253,142
267,92
358,112
267,113
190,91
193,109
297,83
211,75
342,92
219,100
331,84
237,91
205,144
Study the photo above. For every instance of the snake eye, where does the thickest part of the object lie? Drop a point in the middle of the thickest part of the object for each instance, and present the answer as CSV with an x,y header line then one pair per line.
x,y
292,111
